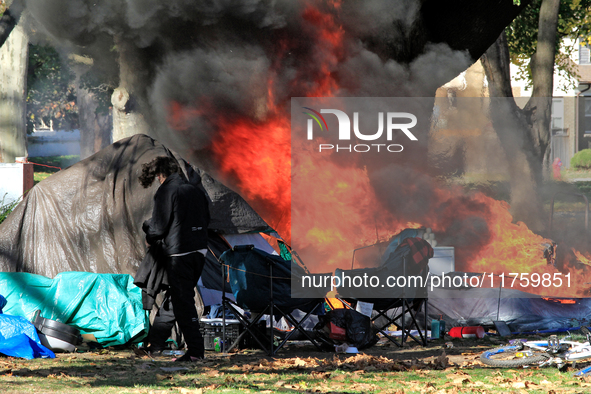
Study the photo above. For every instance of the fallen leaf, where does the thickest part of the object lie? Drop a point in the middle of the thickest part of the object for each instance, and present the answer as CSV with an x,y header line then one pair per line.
x,y
518,385
212,373
188,391
442,361
460,381
320,375
300,363
230,379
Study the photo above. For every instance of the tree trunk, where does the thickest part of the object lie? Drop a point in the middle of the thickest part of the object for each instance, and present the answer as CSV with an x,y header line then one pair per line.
x,y
525,134
542,67
13,71
95,127
129,98
512,126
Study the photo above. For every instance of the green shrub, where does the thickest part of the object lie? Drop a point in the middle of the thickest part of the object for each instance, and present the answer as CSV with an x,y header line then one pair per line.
x,y
584,187
582,159
5,209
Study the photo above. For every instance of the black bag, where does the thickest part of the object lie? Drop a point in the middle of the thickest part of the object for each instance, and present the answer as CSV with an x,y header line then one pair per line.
x,y
357,326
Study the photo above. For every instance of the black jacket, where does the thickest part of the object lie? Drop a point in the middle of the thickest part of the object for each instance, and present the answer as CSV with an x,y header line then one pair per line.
x,y
180,217
151,276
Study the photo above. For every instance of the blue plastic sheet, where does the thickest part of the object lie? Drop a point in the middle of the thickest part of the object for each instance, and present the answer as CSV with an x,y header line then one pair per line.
x,y
18,338
108,306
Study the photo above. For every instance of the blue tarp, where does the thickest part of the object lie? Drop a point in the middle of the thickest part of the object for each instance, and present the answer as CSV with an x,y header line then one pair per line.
x,y
109,306
18,338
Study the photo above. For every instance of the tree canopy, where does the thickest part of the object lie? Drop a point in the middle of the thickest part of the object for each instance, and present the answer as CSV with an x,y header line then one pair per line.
x,y
51,90
574,20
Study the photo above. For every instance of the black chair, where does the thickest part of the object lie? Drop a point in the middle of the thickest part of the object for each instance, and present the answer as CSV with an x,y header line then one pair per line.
x,y
396,305
261,284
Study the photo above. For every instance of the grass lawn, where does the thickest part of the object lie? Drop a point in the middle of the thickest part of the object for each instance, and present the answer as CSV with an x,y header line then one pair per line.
x,y
445,366
46,166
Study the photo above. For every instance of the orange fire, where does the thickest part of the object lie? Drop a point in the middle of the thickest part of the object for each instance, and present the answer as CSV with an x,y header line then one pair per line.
x,y
516,249
337,211
258,156
581,258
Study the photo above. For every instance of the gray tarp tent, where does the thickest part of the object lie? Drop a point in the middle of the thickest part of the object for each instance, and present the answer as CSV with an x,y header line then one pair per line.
x,y
521,311
89,216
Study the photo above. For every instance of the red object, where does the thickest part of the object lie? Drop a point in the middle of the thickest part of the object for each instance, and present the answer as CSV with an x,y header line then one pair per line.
x,y
467,332
337,333
556,165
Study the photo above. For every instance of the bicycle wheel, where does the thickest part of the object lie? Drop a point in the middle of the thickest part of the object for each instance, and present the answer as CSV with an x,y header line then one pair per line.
x,y
505,357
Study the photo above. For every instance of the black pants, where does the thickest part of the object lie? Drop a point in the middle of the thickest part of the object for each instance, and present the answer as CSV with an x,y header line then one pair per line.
x,y
162,325
183,275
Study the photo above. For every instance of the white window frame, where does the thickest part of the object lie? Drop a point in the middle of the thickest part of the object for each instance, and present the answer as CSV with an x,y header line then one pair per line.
x,y
557,116
584,53
587,115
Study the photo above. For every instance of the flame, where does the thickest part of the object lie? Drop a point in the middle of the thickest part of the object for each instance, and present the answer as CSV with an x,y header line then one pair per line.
x,y
181,117
258,156
514,248
337,211
257,153
581,258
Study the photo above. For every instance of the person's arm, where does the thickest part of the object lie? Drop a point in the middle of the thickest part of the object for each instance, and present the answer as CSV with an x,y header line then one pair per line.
x,y
157,227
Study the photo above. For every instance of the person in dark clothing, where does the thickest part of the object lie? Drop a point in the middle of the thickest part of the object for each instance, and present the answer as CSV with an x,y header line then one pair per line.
x,y
179,224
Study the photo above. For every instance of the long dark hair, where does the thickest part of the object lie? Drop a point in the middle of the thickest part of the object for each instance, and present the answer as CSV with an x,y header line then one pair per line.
x,y
163,165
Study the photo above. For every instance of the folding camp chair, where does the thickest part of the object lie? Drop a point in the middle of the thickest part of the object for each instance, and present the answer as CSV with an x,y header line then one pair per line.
x,y
409,260
397,312
261,284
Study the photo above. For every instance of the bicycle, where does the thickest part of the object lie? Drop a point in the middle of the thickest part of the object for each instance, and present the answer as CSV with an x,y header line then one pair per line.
x,y
553,351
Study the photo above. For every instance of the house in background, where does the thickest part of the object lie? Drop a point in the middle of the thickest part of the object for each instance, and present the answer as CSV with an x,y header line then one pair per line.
x,y
583,96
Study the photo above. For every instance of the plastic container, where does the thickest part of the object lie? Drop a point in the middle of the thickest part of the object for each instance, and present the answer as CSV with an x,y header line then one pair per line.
x,y
435,329
56,336
218,344
467,332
